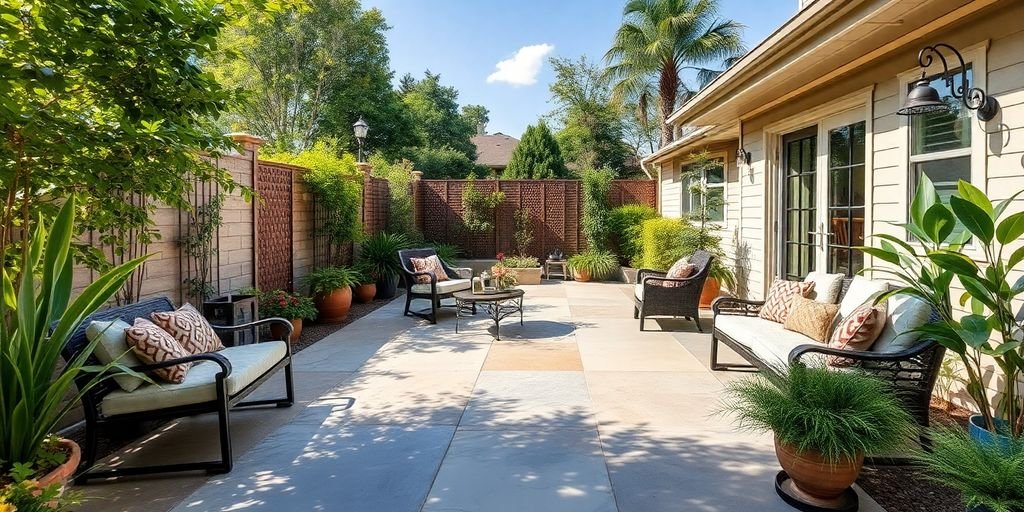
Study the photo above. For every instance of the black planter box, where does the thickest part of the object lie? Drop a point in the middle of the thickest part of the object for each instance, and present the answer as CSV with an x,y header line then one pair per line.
x,y
233,310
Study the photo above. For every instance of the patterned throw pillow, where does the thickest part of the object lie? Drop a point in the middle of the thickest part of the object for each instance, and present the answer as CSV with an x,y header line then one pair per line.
x,y
429,264
190,329
679,270
780,299
154,345
811,318
857,331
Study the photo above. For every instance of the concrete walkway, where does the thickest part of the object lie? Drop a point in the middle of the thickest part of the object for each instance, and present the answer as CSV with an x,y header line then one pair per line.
x,y
574,411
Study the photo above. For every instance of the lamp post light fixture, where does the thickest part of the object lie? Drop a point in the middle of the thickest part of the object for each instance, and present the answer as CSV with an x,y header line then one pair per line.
x,y
360,128
742,157
923,98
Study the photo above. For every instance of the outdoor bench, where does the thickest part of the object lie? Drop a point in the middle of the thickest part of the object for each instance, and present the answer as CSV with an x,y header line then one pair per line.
x,y
216,383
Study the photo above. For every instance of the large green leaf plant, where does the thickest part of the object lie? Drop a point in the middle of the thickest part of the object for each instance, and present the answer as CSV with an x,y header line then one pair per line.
x,y
927,268
37,318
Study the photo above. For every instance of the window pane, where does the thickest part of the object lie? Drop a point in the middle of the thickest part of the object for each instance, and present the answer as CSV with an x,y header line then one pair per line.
x,y
857,182
716,204
944,175
942,131
859,130
839,189
839,147
715,174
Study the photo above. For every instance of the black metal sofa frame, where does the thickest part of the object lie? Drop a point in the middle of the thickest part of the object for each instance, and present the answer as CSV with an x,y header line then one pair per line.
x,y
682,300
91,399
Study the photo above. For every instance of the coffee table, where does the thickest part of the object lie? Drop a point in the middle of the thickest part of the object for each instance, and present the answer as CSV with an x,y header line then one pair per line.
x,y
498,306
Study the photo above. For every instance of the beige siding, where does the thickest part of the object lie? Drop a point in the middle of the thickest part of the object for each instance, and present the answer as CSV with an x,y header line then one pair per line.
x,y
671,191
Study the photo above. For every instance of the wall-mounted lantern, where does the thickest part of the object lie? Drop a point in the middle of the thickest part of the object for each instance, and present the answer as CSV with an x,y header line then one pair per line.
x,y
923,98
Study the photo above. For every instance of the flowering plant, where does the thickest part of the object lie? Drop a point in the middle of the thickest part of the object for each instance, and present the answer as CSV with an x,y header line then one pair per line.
x,y
504,277
282,304
500,256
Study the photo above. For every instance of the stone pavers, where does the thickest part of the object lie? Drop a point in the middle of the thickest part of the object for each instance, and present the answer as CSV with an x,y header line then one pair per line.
x,y
575,410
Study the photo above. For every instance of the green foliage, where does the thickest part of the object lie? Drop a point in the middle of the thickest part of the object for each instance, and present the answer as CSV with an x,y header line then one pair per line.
x,y
442,163
624,224
984,474
32,399
435,112
536,157
478,208
378,254
523,235
662,242
600,264
703,234
197,244
837,414
400,209
658,41
521,262
476,116
596,216
281,304
24,495
927,271
447,252
328,279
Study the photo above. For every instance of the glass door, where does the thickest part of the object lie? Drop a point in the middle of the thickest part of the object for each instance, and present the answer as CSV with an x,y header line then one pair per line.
x,y
845,223
799,197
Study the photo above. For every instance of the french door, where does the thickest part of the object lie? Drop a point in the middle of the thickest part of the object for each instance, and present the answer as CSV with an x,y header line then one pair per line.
x,y
823,201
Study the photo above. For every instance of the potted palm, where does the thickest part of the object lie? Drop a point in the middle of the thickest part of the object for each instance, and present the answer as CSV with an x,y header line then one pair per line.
x,y
593,264
379,255
294,307
331,288
988,477
824,422
37,318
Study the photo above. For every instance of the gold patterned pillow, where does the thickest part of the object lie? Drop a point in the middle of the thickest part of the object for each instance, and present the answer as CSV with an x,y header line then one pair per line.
x,y
154,345
429,264
780,299
190,329
811,318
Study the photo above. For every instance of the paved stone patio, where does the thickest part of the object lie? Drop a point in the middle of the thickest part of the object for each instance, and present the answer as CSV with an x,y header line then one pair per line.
x,y
574,411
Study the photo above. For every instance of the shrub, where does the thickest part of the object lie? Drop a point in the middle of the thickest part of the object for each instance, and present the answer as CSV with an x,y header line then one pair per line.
x,y
523,235
378,255
399,176
596,184
328,279
446,252
600,264
478,208
624,223
537,156
662,242
279,303
443,163
985,475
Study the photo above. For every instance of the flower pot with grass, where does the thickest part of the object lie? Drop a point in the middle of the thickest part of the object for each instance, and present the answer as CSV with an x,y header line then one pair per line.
x,y
37,319
593,265
990,478
331,288
527,268
378,256
294,307
825,422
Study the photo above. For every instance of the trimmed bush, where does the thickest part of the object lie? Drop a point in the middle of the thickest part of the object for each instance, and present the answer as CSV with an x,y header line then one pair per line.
x,y
662,241
625,223
596,226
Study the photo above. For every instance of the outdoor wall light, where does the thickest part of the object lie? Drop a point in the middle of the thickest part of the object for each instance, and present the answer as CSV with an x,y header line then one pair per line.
x,y
360,128
923,98
742,157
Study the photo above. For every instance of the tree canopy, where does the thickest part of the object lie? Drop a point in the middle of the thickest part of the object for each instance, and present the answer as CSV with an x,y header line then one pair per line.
x,y
477,116
435,114
537,156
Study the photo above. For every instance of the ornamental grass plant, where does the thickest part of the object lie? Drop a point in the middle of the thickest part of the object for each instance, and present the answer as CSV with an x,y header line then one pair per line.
x,y
599,264
986,475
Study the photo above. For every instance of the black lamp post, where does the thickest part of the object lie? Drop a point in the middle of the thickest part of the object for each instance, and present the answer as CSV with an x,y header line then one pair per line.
x,y
360,128
923,98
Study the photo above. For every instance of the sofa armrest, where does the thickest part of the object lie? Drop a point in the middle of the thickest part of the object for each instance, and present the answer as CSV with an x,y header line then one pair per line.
x,y
859,355
225,365
734,306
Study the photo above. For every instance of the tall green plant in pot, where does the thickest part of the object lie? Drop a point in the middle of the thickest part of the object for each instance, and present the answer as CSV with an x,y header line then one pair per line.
x,y
707,210
331,288
927,267
31,399
378,256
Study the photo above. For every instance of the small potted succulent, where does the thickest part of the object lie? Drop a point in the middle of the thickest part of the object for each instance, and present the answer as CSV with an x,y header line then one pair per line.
x,y
989,477
331,288
593,264
366,289
527,268
293,307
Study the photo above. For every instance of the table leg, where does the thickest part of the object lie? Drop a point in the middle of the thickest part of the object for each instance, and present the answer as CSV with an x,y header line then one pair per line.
x,y
458,313
520,301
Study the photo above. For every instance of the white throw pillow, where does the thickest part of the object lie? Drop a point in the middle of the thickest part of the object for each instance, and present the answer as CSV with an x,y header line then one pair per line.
x,y
905,312
113,346
826,287
860,291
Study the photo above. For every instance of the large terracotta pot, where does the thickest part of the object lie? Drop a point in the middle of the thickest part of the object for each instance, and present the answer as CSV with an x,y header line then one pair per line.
x,y
817,481
62,474
712,288
333,306
581,275
277,330
366,292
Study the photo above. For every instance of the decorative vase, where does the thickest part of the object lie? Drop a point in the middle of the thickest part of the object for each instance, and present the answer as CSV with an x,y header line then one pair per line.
x,y
366,292
817,481
62,474
387,287
582,275
982,436
333,306
712,288
277,330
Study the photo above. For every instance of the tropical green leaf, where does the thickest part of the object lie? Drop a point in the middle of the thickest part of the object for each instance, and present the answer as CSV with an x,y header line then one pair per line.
x,y
975,196
978,290
882,254
975,330
975,219
954,262
938,222
924,198
1010,228
1005,203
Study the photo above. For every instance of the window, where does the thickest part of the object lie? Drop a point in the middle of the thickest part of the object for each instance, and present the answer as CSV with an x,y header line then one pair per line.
x,y
713,180
940,144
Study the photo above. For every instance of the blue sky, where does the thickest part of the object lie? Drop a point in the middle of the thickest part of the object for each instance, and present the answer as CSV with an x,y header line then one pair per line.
x,y
464,40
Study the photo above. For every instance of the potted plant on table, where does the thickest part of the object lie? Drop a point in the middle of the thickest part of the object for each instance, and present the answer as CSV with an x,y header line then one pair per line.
x,y
331,288
593,264
988,477
503,277
37,318
294,307
824,422
379,256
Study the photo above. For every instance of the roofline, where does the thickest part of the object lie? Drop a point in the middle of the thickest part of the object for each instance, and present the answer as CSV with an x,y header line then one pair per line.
x,y
696,135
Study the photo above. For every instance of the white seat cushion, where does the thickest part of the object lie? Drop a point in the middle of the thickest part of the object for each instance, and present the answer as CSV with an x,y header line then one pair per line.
x,y
638,291
248,363
768,340
449,286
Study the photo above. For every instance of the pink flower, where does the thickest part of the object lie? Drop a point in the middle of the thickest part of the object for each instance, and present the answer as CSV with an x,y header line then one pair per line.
x,y
501,256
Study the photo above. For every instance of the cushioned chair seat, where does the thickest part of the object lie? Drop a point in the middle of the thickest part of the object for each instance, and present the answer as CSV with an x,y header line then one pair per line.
x,y
768,340
248,363
638,291
449,286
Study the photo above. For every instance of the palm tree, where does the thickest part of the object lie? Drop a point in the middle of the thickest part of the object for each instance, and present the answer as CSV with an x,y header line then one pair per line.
x,y
658,40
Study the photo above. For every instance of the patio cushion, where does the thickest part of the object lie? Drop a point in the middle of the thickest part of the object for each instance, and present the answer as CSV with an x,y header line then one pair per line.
x,y
905,313
861,290
811,318
248,363
679,270
780,299
189,327
768,340
154,345
826,286
638,291
113,346
430,264
443,287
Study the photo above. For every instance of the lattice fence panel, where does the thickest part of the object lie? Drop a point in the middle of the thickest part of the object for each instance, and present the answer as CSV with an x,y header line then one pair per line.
x,y
274,228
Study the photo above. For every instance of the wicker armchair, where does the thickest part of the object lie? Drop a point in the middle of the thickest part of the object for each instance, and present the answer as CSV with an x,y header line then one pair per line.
x,y
652,298
458,279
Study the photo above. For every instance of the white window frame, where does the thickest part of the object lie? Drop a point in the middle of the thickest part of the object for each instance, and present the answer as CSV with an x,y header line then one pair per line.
x,y
686,198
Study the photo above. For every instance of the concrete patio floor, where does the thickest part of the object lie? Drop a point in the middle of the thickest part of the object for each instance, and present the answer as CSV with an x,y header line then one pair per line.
x,y
576,410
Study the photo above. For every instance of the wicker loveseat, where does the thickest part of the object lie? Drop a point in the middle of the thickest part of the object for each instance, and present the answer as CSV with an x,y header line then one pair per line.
x,y
458,279
217,382
657,295
910,367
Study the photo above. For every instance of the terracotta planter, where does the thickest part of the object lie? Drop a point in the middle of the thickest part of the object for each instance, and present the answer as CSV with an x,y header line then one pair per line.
x,y
62,474
333,306
581,275
277,330
817,481
712,288
528,275
366,292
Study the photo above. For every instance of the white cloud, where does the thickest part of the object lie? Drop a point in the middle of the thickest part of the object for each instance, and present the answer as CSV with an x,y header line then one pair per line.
x,y
523,67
